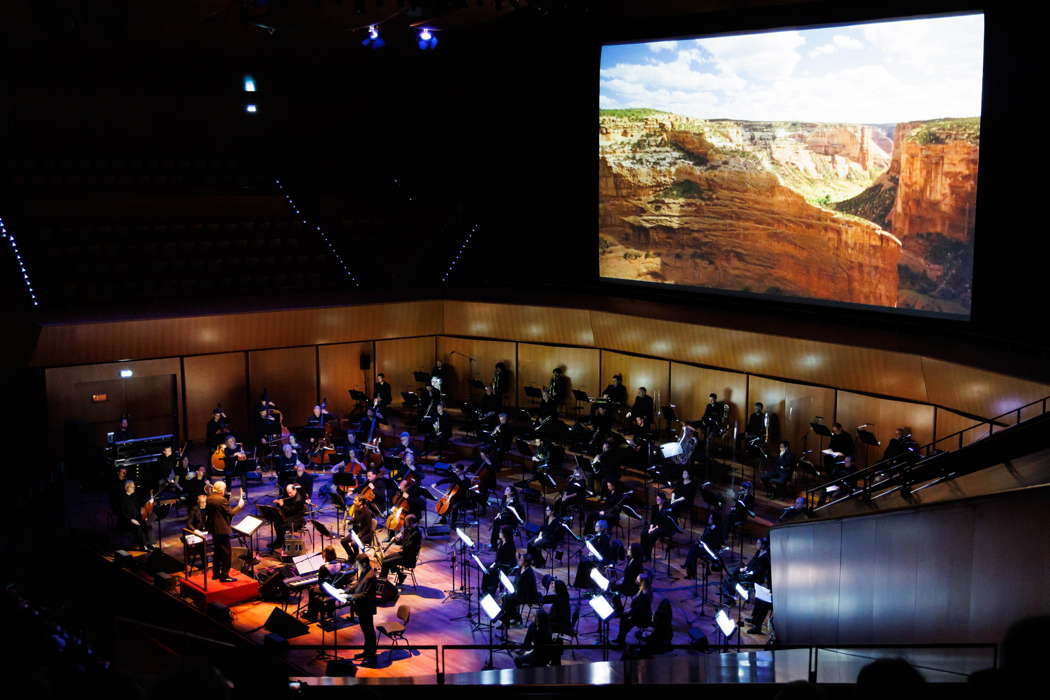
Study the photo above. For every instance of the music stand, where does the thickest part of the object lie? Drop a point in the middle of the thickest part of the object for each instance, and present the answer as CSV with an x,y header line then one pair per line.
x,y
821,431
604,610
340,598
247,527
358,395
421,377
533,393
868,439
493,610
476,384
726,627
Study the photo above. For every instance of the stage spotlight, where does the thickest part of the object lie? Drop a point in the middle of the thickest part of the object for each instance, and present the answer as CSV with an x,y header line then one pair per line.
x,y
249,83
251,109
373,39
427,40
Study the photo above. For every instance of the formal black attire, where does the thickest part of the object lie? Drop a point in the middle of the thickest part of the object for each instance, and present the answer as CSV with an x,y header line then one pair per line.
x,y
220,514
539,652
628,585
643,406
842,442
294,510
383,393
505,518
363,525
131,509
411,541
440,432
601,544
364,596
197,519
525,593
215,433
616,394
713,537
784,467
640,614
665,527
686,492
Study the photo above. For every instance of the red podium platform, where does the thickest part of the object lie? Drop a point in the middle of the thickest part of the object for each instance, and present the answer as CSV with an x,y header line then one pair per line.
x,y
244,588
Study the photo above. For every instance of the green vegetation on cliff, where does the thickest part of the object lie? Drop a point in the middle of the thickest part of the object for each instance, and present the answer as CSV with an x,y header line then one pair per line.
x,y
946,130
873,204
634,113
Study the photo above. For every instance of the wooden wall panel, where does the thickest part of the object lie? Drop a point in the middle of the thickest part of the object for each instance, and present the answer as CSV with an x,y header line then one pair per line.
x,y
289,376
398,359
195,335
654,375
795,406
535,362
456,352
977,392
215,379
341,371
861,369
950,422
67,401
856,409
690,386
538,324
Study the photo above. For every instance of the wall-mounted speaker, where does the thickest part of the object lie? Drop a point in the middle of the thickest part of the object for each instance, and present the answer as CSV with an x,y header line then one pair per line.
x,y
366,361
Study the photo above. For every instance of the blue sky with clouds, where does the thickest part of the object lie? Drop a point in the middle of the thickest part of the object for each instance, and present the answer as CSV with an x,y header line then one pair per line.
x,y
880,72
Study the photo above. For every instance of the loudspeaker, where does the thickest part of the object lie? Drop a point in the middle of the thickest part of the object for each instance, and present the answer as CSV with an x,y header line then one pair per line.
x,y
271,584
386,592
218,611
366,361
285,625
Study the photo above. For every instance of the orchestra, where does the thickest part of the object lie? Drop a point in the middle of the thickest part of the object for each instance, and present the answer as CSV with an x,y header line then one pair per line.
x,y
383,493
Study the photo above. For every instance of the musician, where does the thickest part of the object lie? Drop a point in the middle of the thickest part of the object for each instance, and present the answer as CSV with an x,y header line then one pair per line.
x,y
457,478
286,464
784,467
293,510
537,649
124,431
640,614
839,448
406,468
601,427
440,431
218,427
439,371
220,514
683,494
381,394
116,490
363,594
491,404
169,467
363,525
756,571
429,398
305,481
713,419
551,534
607,464
901,447
501,437
659,526
318,417
506,517
640,444
713,537
642,408
573,495
411,539
266,424
485,468
197,523
506,553
627,586
612,501
332,572
600,541
744,506
554,394
795,511
688,441
131,519
500,380
616,391
195,483
382,487
525,591
756,422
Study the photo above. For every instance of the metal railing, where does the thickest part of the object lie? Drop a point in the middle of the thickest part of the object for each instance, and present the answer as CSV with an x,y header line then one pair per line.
x,y
626,676
885,473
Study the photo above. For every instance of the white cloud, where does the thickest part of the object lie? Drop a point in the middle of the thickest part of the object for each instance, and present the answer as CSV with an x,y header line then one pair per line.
x,y
657,46
839,41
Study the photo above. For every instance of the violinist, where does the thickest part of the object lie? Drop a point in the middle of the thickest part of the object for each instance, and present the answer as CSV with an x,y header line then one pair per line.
x,y
440,431
511,514
381,395
363,525
293,510
659,526
131,518
411,539
217,430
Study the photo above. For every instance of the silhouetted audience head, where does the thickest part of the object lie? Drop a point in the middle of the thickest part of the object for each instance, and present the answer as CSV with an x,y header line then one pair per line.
x,y
883,677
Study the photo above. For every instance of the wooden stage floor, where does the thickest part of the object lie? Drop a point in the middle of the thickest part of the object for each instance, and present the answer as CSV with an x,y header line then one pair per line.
x,y
438,620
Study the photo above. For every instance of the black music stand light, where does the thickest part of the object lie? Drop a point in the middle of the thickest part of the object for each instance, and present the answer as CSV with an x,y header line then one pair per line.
x,y
868,439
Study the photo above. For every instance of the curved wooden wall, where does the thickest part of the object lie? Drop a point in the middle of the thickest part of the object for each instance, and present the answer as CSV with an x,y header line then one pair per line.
x,y
310,353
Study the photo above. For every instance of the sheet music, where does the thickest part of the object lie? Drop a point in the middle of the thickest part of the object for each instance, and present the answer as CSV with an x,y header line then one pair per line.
x,y
513,510
193,539
762,593
248,525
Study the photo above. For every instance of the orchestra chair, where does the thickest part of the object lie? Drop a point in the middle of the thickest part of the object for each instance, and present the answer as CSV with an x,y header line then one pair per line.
x,y
573,632
322,531
669,546
409,571
395,630
531,608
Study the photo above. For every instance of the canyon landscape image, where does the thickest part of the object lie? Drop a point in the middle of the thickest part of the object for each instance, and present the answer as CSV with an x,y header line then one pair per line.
x,y
877,210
